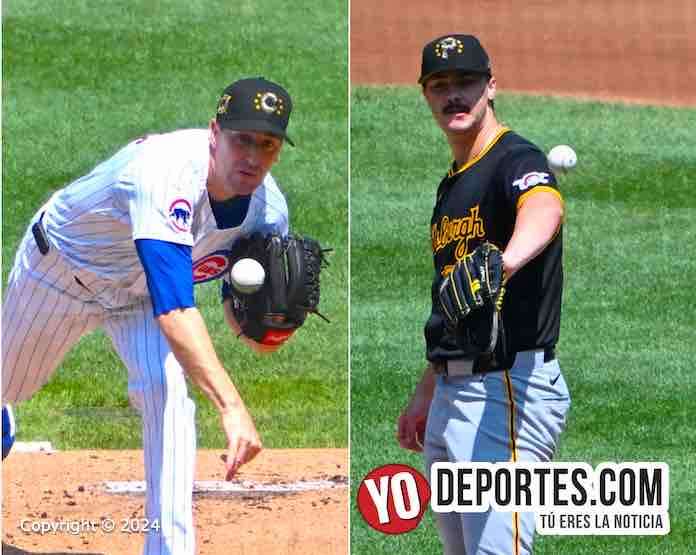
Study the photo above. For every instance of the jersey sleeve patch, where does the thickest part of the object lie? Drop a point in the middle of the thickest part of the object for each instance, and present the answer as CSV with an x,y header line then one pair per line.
x,y
180,214
526,170
169,274
531,179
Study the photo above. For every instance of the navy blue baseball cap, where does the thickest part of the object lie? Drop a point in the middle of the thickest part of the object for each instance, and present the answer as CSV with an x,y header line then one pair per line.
x,y
454,52
255,104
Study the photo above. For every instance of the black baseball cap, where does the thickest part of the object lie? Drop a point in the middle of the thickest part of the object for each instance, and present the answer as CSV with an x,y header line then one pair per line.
x,y
255,104
458,52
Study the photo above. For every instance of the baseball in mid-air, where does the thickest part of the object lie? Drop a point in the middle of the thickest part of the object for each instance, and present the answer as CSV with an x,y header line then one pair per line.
x,y
247,276
562,158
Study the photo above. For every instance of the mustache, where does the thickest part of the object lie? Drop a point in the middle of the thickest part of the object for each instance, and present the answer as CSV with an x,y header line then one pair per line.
x,y
454,107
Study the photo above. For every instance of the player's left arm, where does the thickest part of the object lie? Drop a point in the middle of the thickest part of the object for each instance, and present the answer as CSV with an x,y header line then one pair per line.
x,y
538,221
531,188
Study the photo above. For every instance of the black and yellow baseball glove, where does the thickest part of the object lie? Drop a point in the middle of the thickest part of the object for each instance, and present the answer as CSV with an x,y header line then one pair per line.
x,y
291,289
471,297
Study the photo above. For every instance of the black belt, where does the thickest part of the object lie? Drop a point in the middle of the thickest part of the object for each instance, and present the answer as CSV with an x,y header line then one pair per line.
x,y
40,236
41,240
482,364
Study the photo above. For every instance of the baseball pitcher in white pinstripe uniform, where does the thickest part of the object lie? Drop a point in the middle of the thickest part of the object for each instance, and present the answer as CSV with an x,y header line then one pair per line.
x,y
120,249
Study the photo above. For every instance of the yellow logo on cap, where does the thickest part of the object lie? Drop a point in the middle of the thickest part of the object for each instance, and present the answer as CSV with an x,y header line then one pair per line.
x,y
222,105
269,103
443,47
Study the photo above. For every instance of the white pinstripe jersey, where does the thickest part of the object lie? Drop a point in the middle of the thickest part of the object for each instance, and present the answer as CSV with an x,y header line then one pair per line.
x,y
154,188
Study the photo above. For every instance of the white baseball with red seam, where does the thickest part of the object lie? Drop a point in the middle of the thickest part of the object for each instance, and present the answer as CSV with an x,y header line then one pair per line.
x,y
247,276
562,158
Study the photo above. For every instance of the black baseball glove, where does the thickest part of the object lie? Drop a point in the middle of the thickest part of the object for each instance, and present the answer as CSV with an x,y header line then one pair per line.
x,y
290,291
471,297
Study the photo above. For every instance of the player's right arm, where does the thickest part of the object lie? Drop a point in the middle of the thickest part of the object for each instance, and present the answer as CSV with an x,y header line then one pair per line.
x,y
412,422
167,268
190,342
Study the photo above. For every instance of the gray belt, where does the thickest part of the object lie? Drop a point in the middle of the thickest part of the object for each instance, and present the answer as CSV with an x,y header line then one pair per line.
x,y
468,367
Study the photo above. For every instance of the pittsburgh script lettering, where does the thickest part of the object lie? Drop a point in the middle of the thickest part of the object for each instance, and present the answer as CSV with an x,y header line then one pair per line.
x,y
458,229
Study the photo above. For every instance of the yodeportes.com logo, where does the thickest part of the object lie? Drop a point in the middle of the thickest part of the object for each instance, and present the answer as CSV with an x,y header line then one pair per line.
x,y
567,498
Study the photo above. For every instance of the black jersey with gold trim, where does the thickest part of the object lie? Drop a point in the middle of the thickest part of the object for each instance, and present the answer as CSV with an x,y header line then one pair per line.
x,y
478,202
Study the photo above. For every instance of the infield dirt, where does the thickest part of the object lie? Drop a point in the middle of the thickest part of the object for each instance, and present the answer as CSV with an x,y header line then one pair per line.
x,y
68,486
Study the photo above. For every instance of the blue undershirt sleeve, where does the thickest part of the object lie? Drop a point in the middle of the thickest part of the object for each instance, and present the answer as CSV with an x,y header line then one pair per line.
x,y
169,274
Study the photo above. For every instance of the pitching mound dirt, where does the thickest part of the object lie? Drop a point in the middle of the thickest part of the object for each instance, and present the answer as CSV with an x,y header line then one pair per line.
x,y
65,492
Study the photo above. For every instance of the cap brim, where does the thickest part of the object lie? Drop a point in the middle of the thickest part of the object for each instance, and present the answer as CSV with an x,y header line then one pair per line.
x,y
423,78
255,125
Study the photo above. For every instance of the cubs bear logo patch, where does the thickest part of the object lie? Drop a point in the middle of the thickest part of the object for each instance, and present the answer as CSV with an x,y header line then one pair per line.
x,y
180,215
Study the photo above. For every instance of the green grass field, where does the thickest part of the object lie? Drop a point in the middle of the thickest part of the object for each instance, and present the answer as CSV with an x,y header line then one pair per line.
x,y
628,337
81,79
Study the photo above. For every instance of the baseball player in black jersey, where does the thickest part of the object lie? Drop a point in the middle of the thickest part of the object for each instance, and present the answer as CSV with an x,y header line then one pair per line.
x,y
502,398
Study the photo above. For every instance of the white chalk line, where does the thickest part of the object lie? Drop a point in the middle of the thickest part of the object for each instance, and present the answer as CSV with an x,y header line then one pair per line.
x,y
32,447
244,488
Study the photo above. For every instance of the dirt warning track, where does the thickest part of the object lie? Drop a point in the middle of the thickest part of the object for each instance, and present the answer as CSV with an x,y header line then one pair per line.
x,y
634,51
